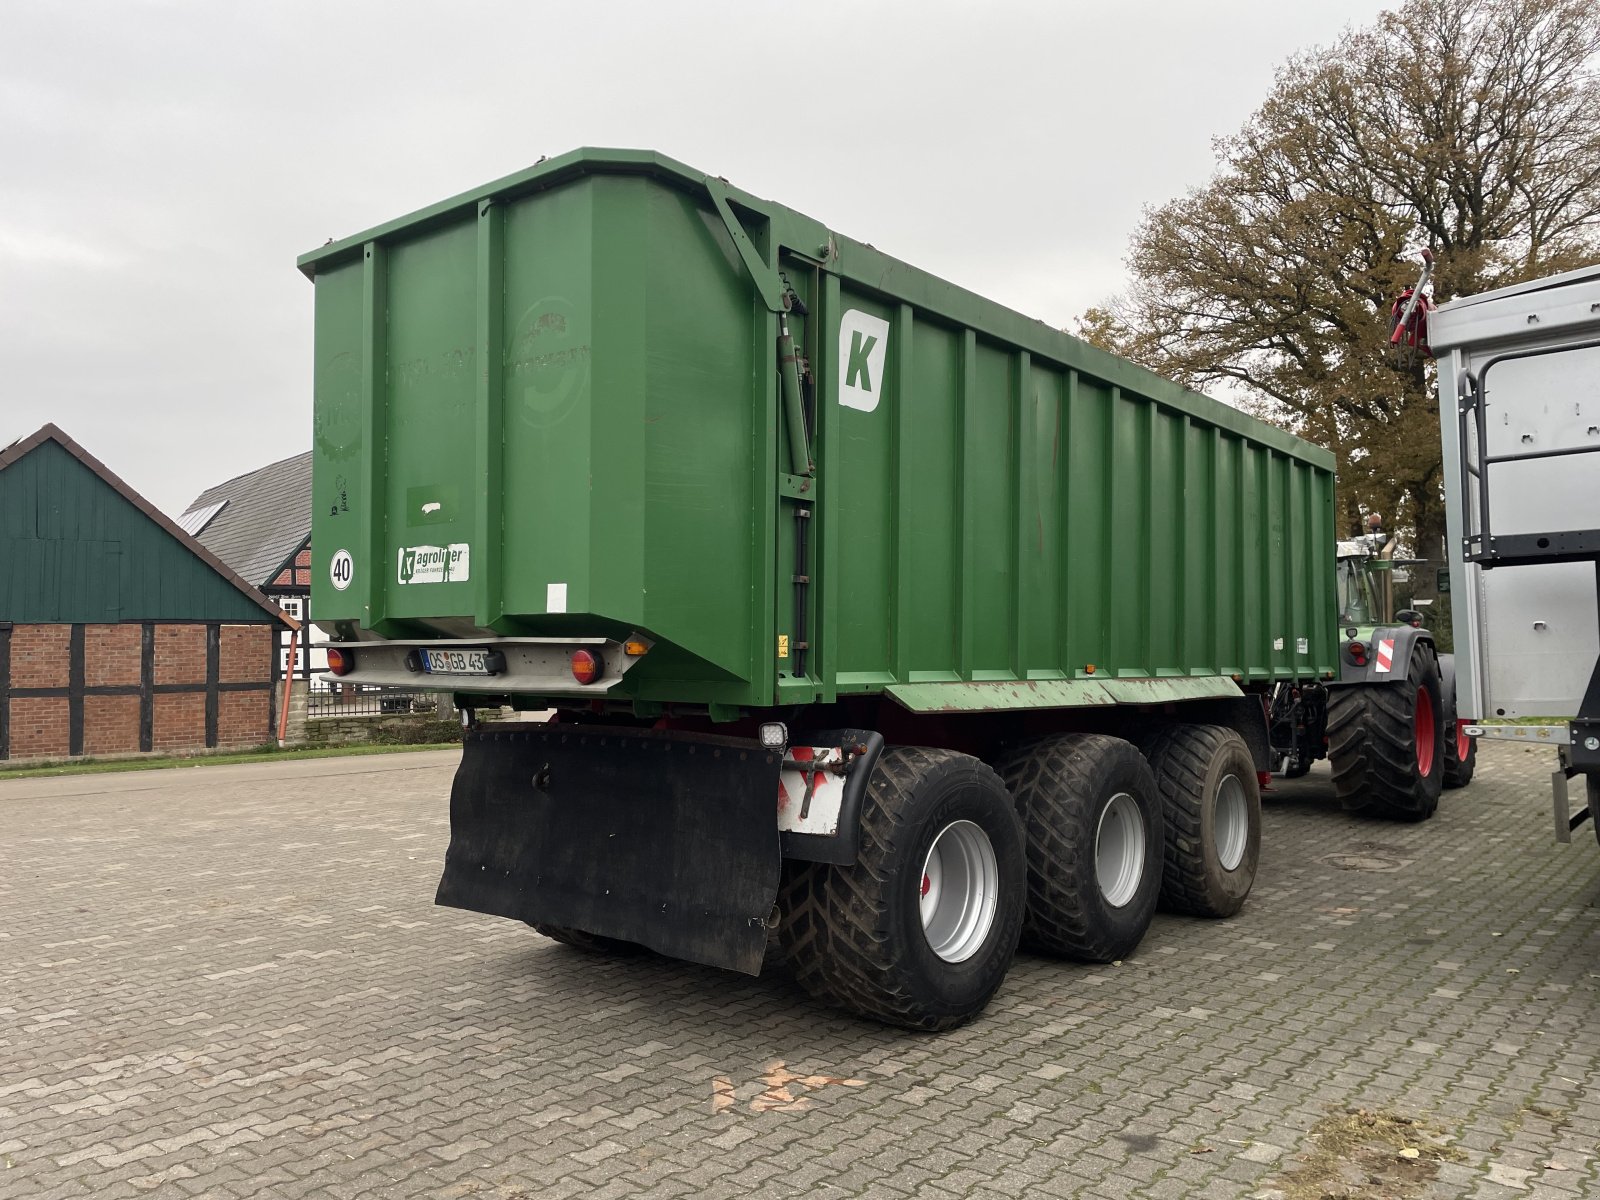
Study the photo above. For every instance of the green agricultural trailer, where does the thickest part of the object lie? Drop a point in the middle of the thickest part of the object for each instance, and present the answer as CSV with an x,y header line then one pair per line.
x,y
883,625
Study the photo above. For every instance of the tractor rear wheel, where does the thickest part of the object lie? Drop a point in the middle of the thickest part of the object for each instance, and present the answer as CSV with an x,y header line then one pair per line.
x,y
1095,839
1460,755
920,930
1386,742
1211,800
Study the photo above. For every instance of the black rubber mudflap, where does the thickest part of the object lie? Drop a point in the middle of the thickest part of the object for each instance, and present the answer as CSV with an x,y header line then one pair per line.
x,y
665,839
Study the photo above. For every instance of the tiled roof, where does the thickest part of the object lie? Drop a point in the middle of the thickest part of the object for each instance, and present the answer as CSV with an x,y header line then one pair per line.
x,y
266,518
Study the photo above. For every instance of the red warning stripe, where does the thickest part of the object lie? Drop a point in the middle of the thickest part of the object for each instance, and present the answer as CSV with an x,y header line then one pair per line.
x,y
1385,654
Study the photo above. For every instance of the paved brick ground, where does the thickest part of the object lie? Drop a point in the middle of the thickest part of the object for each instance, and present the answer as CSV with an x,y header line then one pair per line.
x,y
231,981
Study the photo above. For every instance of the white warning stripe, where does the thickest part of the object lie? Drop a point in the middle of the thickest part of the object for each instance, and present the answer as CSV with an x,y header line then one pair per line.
x,y
1385,655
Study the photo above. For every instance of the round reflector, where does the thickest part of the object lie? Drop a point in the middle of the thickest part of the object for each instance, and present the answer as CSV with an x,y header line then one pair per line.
x,y
340,662
586,666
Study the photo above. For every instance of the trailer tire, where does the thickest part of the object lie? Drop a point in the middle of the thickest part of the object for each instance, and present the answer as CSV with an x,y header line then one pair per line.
x,y
1386,742
1211,800
590,943
868,938
1459,767
1092,887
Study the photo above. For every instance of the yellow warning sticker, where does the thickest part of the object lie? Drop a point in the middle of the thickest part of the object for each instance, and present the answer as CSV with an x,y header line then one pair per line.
x,y
783,645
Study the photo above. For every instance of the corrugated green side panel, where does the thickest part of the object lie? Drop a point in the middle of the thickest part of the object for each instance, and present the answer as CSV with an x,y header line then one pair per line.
x,y
1054,527
569,377
72,549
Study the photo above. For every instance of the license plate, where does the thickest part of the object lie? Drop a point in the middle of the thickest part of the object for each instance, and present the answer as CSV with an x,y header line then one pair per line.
x,y
455,662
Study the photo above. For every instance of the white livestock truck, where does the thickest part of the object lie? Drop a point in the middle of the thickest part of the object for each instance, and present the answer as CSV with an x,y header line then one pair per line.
x,y
1519,404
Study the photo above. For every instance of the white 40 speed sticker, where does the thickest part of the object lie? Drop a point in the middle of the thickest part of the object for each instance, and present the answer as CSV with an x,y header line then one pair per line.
x,y
435,564
342,569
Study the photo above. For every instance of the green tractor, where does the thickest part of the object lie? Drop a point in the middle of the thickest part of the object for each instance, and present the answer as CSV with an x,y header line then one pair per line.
x,y
1388,723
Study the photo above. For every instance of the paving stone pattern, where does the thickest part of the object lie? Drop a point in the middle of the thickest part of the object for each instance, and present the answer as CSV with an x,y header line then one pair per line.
x,y
231,982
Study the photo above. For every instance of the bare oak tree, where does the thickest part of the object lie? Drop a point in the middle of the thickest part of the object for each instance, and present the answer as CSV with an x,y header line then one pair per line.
x,y
1471,127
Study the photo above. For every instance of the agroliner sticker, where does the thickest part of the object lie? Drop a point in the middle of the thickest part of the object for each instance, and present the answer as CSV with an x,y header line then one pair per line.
x,y
434,564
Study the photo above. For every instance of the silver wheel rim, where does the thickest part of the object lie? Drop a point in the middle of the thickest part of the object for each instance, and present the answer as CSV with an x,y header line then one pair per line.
x,y
1231,822
1119,850
960,891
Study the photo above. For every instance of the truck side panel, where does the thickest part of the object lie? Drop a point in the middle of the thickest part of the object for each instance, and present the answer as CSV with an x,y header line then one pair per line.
x,y
1526,636
1042,523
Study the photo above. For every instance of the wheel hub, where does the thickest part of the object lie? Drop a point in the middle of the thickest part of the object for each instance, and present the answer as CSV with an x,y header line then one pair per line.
x,y
1119,850
1231,822
1424,739
960,891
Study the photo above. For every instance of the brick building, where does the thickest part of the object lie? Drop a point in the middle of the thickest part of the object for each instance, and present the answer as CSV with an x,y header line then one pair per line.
x,y
118,631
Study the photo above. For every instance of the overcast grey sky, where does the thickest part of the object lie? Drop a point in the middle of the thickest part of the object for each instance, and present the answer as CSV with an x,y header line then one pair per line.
x,y
162,163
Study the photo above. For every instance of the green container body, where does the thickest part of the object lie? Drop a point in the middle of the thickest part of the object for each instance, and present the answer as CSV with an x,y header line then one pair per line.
x,y
567,383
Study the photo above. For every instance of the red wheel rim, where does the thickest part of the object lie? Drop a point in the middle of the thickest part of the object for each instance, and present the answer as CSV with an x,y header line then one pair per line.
x,y
1424,733
1463,743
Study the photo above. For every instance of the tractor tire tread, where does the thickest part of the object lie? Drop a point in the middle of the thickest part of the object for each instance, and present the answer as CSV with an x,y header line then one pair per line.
x,y
1372,746
1458,772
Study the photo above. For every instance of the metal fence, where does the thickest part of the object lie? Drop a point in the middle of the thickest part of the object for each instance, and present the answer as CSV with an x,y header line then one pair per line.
x,y
361,700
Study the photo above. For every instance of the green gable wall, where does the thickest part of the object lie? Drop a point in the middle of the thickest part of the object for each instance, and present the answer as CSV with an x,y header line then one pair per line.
x,y
72,549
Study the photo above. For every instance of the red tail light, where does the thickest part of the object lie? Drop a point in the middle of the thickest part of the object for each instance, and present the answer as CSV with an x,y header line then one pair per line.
x,y
341,662
1358,653
587,666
